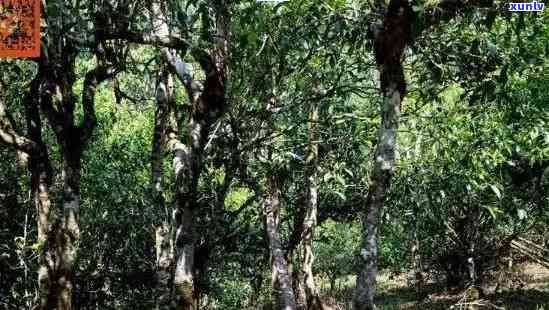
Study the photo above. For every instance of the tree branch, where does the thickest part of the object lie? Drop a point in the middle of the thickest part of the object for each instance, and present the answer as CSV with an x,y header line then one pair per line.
x,y
183,72
92,80
169,41
8,134
448,9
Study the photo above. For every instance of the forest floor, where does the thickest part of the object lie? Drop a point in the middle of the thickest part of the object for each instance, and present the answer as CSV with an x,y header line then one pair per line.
x,y
526,288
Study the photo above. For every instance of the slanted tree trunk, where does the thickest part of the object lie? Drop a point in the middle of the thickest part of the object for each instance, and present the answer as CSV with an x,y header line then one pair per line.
x,y
281,278
310,220
389,44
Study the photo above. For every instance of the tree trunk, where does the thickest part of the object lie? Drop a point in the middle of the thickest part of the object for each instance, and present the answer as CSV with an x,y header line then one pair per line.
x,y
416,263
185,247
67,232
310,219
208,105
299,288
40,192
51,94
281,278
163,240
256,283
473,219
389,45
60,249
40,182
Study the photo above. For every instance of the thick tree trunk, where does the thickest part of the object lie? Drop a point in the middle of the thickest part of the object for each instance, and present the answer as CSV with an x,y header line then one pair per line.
x,y
389,47
187,165
366,278
40,183
67,233
62,238
208,105
185,248
40,191
310,219
282,280
299,288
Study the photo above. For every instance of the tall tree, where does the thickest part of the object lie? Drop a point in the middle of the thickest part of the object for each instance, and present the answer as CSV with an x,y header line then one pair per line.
x,y
389,44
208,103
163,122
52,94
310,219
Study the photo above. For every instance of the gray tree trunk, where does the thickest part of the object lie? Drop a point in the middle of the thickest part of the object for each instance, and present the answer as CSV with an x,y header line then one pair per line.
x,y
163,232
310,220
208,105
281,278
68,232
389,45
473,219
417,262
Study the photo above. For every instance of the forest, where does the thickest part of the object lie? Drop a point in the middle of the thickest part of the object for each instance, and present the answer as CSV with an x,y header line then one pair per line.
x,y
276,155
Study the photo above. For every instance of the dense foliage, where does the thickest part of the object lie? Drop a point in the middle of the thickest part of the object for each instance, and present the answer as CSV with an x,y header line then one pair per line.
x,y
219,151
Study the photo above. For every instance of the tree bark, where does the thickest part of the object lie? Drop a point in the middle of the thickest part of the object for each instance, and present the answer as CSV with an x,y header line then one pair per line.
x,y
208,105
51,94
57,102
310,220
67,232
473,219
298,282
389,45
417,262
281,278
163,231
40,183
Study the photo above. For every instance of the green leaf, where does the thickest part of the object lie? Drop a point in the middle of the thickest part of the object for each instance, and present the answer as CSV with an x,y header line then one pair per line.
x,y
340,195
496,191
493,211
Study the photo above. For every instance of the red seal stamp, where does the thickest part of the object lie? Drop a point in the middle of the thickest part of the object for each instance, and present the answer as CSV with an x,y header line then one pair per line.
x,y
19,28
